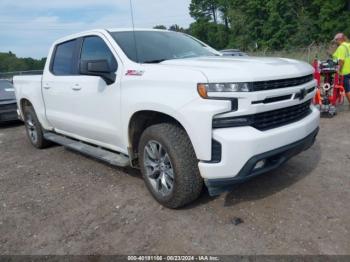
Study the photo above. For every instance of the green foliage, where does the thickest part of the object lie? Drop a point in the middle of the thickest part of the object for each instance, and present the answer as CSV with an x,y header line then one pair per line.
x,y
9,63
259,26
205,9
175,28
268,24
215,35
163,27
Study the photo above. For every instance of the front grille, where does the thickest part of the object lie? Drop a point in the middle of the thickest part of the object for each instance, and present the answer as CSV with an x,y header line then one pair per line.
x,y
272,99
267,120
283,83
299,95
281,117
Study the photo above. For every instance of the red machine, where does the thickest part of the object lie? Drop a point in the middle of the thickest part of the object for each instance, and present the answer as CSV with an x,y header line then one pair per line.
x,y
330,90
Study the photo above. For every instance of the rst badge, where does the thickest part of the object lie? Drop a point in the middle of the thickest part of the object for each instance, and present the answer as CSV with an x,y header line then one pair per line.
x,y
134,73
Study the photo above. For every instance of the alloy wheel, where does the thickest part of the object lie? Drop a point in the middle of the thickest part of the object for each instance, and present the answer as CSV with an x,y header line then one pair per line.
x,y
159,169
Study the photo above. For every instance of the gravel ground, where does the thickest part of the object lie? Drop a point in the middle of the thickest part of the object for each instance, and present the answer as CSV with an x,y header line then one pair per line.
x,y
55,201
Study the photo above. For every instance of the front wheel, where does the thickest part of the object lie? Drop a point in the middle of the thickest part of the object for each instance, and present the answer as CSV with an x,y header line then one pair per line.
x,y
169,165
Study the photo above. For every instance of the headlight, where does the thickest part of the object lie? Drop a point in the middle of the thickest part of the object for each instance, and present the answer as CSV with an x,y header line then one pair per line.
x,y
204,89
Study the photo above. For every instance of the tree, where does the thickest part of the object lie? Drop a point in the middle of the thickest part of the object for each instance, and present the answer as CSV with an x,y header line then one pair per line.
x,y
163,27
10,62
224,10
204,9
177,28
199,29
331,16
282,24
213,34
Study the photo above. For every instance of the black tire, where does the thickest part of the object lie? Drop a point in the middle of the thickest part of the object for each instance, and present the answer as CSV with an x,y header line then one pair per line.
x,y
187,182
32,124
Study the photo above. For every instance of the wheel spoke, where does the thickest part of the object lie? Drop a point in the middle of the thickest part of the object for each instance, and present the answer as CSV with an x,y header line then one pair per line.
x,y
30,124
154,174
32,132
163,179
166,159
156,150
166,187
162,152
159,184
150,152
168,180
170,173
150,163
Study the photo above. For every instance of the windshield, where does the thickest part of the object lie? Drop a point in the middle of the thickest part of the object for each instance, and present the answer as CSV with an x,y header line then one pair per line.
x,y
158,46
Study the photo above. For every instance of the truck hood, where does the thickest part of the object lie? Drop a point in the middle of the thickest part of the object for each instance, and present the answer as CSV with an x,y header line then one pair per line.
x,y
244,69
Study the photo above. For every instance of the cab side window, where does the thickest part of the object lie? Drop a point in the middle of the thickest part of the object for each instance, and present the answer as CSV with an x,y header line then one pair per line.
x,y
94,48
64,60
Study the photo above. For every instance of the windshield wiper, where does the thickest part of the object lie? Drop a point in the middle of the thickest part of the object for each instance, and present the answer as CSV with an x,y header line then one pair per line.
x,y
157,61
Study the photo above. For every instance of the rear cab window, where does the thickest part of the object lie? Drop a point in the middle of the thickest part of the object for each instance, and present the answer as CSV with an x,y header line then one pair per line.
x,y
64,62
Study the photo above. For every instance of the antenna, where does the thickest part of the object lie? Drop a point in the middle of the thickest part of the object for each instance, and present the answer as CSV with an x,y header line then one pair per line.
x,y
133,29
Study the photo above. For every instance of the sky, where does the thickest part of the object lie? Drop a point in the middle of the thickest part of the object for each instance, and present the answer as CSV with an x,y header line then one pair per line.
x,y
28,27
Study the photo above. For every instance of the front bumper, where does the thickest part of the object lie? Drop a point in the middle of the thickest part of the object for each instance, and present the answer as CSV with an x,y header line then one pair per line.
x,y
8,112
244,147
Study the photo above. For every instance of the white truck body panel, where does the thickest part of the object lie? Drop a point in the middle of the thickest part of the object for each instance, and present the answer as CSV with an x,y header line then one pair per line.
x,y
29,88
85,108
245,142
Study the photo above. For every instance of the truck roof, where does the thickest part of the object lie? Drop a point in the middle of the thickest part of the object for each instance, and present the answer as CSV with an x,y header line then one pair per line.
x,y
67,38
136,29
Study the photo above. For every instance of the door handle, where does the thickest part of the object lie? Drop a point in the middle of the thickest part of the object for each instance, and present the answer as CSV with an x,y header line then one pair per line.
x,y
46,86
76,87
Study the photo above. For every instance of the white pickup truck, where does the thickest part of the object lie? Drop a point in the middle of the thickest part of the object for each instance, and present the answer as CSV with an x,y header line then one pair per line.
x,y
172,106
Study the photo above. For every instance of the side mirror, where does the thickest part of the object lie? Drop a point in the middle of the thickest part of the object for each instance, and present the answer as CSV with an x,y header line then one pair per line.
x,y
98,68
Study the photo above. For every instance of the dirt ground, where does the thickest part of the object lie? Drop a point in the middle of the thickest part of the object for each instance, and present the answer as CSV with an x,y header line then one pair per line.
x,y
56,201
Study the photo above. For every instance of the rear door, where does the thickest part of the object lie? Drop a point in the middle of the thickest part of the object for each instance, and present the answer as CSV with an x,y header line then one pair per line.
x,y
58,83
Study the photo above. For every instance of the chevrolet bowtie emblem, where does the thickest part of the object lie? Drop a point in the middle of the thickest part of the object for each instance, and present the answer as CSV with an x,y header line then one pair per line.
x,y
302,94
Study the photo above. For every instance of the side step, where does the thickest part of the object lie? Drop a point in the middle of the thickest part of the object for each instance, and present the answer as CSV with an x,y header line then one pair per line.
x,y
113,158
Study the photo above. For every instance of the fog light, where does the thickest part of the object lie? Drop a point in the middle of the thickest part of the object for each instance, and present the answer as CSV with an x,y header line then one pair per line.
x,y
260,164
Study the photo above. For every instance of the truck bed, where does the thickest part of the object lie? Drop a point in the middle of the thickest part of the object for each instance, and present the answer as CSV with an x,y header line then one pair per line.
x,y
29,86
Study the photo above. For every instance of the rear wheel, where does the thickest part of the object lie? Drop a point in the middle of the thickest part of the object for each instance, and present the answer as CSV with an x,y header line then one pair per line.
x,y
169,165
34,130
